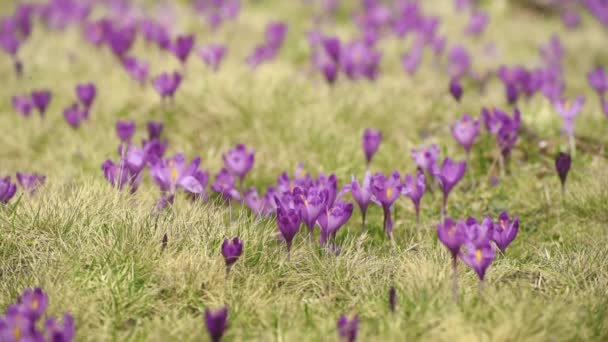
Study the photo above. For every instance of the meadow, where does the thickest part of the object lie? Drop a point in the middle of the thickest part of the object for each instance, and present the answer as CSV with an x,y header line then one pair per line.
x,y
99,253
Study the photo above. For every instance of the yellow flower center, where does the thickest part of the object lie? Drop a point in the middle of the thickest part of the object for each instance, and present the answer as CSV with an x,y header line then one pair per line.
x,y
502,224
452,230
17,333
306,203
35,304
389,192
566,105
174,173
478,255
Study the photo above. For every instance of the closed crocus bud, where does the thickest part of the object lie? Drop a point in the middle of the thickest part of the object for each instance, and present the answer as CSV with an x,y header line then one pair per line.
x,y
22,105
216,323
182,47
562,165
86,93
371,142
456,89
504,231
448,176
348,329
414,188
239,160
231,250
212,55
41,100
465,131
125,130
289,223
155,129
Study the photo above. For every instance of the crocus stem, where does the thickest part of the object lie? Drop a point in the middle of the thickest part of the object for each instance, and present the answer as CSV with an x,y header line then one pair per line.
x,y
501,163
418,217
227,271
469,169
388,223
444,205
563,188
363,221
288,253
572,145
455,278
480,287
241,183
230,211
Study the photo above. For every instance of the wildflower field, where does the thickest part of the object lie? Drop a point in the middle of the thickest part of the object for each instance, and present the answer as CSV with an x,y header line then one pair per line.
x,y
303,170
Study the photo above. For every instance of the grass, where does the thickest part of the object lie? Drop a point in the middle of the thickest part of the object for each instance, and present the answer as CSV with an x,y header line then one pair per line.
x,y
98,253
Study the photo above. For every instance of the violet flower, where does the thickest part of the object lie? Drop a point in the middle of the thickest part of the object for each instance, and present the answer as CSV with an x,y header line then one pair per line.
x,y
213,55
261,206
459,62
173,173
371,142
465,131
360,60
598,80
477,23
155,129
452,236
426,157
137,69
569,112
386,191
562,165
86,93
125,130
410,61
332,219
479,258
311,202
182,47
7,190
167,84
41,99
505,231
456,89
225,186
120,175
348,329
331,184
362,194
35,302
326,57
60,334
22,105
239,161
448,176
231,250
414,189
275,35
288,220
216,323
505,128
30,182
75,115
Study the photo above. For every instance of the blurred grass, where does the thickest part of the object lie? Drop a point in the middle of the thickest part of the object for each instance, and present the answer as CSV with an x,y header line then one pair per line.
x,y
97,252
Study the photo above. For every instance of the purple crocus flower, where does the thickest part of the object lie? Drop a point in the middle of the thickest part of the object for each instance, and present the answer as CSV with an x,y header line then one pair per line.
x,y
173,173
465,131
75,115
571,19
452,235
86,93
231,250
362,194
360,60
137,69
216,323
213,55
120,175
348,329
166,84
504,231
311,202
598,80
562,165
182,47
333,218
476,233
16,325
300,179
477,23
155,129
261,206
288,220
22,105
7,190
414,189
34,302
57,333
410,61
125,130
121,39
448,176
41,99
426,157
371,142
478,258
275,35
331,184
456,89
326,56
504,127
30,182
569,112
225,185
459,62
239,160
386,191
